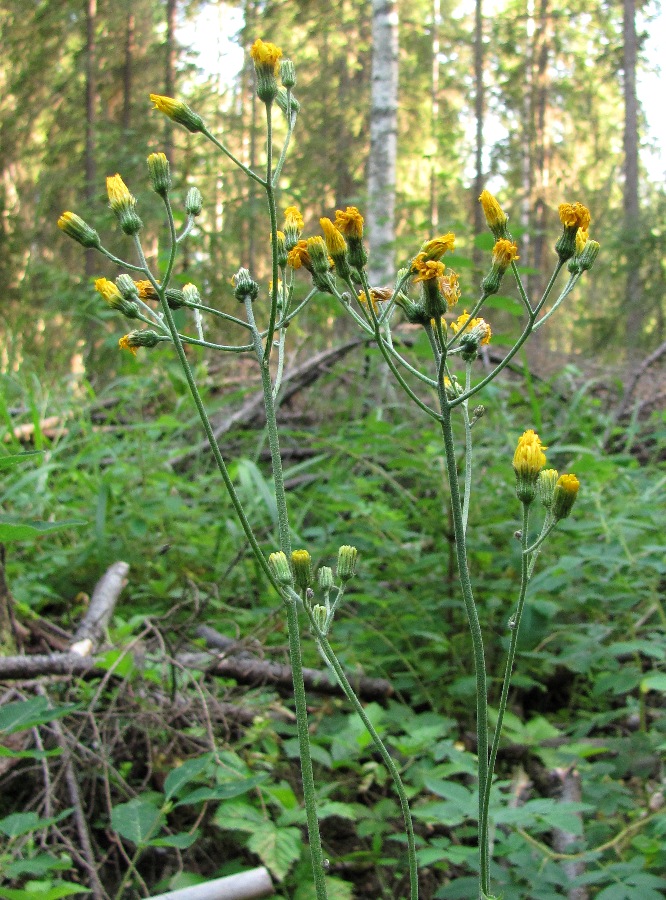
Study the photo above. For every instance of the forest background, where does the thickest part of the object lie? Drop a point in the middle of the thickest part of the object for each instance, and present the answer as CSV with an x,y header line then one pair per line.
x,y
536,100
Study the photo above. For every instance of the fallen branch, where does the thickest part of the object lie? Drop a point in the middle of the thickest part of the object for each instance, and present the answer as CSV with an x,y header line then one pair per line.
x,y
102,603
243,886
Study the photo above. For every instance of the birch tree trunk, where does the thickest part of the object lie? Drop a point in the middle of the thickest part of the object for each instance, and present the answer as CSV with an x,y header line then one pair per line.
x,y
383,141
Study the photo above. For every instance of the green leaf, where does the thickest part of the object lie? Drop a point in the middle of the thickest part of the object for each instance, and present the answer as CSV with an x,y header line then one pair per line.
x,y
654,682
278,848
22,714
37,865
223,791
8,753
182,841
335,889
188,771
23,823
14,529
43,890
8,462
137,820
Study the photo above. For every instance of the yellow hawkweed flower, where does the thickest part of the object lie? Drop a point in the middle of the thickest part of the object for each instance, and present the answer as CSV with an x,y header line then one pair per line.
x,y
437,247
349,222
146,290
302,564
335,243
484,330
427,269
298,256
377,295
529,458
75,227
119,195
564,495
178,112
574,215
448,285
504,253
109,291
266,56
495,215
124,344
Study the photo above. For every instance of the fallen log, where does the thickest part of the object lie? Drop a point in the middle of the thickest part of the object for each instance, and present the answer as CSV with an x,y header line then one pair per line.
x,y
249,885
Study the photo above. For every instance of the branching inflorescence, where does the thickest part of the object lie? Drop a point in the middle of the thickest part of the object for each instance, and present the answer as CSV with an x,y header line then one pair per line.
x,y
424,293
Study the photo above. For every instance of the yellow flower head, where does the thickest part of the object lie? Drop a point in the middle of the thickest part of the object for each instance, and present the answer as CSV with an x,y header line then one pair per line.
x,y
574,215
495,215
529,458
146,290
377,295
120,198
564,495
484,330
427,269
448,285
581,239
299,256
178,112
293,219
124,344
437,247
75,227
108,290
504,253
266,56
349,222
335,243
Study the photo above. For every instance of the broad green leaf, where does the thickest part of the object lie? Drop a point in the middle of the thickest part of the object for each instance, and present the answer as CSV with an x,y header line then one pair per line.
x,y
22,714
278,848
137,820
43,890
29,754
224,791
36,865
238,816
654,682
188,771
335,889
13,529
23,823
182,841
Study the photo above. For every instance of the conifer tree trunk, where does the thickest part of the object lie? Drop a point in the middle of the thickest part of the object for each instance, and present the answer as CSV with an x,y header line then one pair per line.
x,y
434,116
383,140
170,71
91,97
127,69
479,103
635,315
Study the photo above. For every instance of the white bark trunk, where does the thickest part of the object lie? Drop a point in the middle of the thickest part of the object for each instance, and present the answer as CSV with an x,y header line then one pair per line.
x,y
380,217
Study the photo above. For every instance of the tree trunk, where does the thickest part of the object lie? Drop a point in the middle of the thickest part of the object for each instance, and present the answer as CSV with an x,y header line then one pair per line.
x,y
478,219
170,72
634,322
127,69
434,116
383,141
91,97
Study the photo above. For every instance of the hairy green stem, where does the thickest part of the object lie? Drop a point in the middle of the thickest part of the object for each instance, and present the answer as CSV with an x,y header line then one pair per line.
x,y
514,625
468,448
334,663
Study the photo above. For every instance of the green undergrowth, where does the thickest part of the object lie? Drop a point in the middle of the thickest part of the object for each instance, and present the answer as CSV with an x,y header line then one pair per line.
x,y
363,469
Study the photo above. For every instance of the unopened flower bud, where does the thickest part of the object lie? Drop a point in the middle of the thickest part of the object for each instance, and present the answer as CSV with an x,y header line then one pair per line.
x,y
127,287
546,486
293,226
193,202
287,73
116,299
123,204
160,175
178,112
495,216
245,286
564,496
281,250
174,298
320,614
504,253
281,100
136,339
191,294
589,255
301,562
280,568
75,227
325,578
347,557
